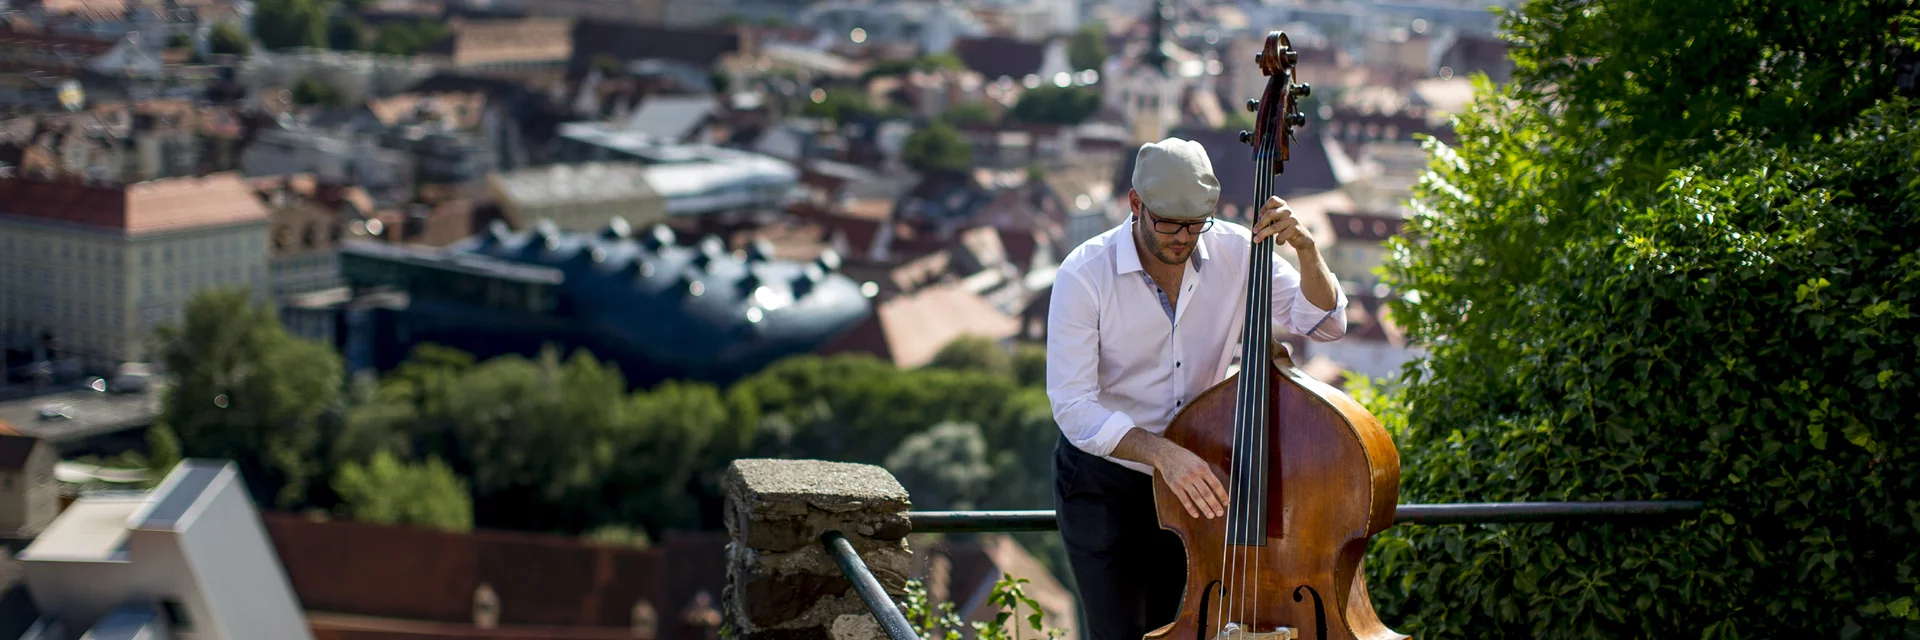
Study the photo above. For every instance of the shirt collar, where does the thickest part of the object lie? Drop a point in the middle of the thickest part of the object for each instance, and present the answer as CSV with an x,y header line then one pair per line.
x,y
1127,260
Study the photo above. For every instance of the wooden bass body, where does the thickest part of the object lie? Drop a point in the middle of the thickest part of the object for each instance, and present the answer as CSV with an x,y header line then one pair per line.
x,y
1334,480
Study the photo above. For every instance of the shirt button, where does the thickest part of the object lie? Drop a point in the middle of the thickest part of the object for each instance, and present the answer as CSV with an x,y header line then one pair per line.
x,y
1176,365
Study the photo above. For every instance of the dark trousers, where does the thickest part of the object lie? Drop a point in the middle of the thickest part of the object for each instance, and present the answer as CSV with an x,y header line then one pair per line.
x,y
1130,571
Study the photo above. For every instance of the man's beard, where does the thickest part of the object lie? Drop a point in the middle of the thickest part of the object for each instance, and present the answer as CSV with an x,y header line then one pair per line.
x,y
1163,251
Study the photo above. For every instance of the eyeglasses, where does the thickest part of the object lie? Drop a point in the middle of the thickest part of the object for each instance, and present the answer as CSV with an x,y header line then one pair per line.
x,y
1170,227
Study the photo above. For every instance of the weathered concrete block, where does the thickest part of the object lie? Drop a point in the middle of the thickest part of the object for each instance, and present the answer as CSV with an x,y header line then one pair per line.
x,y
786,504
783,584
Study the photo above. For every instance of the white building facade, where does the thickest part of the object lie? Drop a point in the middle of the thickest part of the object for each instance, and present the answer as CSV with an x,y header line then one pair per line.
x,y
98,275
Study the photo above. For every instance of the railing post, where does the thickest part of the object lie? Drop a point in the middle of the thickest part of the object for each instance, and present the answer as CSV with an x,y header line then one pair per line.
x,y
782,584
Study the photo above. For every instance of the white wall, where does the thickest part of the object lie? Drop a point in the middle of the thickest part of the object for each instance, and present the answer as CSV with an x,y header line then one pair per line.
x,y
245,587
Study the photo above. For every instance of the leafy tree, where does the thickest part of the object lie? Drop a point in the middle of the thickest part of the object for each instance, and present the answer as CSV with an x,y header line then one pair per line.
x,y
227,38
287,24
314,91
245,390
387,491
1049,104
619,536
967,113
387,419
973,353
893,67
666,441
179,41
346,33
942,61
1030,365
532,436
841,105
859,408
1673,260
938,147
404,39
945,467
1088,48
163,452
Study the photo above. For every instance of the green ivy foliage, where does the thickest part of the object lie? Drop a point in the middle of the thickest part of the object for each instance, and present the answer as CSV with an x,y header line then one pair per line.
x,y
1639,276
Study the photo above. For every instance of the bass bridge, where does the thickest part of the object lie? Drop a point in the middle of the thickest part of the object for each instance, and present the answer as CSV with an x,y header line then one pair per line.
x,y
1234,631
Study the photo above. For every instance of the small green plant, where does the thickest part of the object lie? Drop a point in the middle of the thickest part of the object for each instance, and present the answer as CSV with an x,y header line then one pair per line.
x,y
930,621
939,622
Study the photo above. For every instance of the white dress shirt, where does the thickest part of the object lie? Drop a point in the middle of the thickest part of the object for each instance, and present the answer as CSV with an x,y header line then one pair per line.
x,y
1115,361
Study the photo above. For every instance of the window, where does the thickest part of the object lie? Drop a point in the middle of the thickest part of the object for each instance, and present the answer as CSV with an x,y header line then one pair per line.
x,y
146,257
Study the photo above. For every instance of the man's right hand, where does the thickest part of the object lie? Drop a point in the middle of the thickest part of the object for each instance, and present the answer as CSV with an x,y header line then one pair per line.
x,y
1192,480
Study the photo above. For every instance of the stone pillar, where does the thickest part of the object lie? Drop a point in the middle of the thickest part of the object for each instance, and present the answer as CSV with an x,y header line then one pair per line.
x,y
782,584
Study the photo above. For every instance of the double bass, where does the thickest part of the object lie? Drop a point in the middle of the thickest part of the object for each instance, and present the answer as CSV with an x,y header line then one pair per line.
x,y
1310,474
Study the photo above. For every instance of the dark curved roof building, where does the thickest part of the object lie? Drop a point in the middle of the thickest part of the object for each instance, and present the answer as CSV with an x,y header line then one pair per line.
x,y
657,307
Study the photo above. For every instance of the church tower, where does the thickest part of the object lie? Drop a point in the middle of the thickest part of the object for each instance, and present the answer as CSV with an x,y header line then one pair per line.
x,y
1154,87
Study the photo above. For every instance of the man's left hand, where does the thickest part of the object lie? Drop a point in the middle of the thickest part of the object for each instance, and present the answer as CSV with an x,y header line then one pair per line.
x,y
1277,221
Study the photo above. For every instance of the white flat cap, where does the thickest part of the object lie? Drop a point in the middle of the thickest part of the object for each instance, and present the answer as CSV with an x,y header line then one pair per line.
x,y
1175,179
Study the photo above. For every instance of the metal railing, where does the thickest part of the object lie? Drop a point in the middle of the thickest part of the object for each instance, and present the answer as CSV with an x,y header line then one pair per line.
x,y
895,623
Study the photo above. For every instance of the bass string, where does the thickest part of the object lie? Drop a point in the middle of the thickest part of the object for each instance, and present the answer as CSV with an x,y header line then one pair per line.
x,y
1229,585
1250,437
1263,328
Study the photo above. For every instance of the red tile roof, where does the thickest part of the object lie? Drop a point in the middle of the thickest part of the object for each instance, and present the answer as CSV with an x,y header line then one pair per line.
x,y
916,325
173,204
45,42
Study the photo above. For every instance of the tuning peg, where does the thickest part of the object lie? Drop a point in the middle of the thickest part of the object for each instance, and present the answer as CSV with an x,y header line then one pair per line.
x,y
1298,119
1293,57
1246,137
1253,104
1303,90
1258,57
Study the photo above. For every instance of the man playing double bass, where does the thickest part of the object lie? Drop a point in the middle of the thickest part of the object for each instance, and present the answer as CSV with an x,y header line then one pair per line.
x,y
1143,318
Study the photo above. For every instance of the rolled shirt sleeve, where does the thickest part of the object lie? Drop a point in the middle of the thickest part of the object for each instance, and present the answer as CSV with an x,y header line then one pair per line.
x,y
1073,369
1293,312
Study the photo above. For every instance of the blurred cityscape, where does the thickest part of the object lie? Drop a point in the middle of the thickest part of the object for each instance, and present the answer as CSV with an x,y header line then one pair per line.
x,y
689,190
